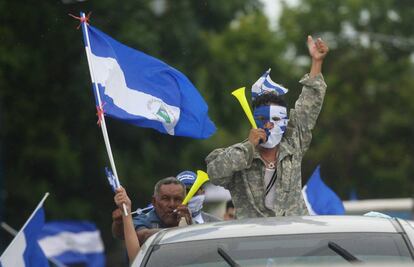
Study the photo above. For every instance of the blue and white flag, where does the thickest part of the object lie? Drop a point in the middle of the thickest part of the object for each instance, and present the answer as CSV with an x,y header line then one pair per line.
x,y
113,182
319,198
71,242
24,249
265,85
143,90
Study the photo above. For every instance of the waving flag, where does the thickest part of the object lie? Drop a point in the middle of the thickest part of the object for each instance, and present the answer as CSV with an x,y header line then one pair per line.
x,y
24,249
73,242
319,198
265,85
145,91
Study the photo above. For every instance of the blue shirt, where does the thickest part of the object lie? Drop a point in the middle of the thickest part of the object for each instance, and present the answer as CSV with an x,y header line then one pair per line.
x,y
148,220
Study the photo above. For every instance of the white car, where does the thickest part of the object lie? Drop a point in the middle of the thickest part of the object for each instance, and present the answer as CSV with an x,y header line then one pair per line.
x,y
280,241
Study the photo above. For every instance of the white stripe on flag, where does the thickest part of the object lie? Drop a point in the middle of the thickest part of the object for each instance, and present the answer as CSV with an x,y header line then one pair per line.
x,y
308,205
109,74
82,242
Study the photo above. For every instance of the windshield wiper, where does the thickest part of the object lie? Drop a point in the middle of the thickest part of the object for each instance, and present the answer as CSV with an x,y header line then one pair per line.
x,y
227,258
343,252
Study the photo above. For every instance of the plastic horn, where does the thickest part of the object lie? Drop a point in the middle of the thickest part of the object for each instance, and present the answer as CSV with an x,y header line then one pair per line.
x,y
241,96
202,177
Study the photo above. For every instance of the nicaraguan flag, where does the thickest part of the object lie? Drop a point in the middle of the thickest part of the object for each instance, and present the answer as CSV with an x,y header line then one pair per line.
x,y
319,198
24,249
73,242
265,85
143,90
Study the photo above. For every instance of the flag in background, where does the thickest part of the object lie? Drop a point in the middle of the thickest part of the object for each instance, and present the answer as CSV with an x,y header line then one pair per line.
x,y
319,198
24,249
71,242
145,91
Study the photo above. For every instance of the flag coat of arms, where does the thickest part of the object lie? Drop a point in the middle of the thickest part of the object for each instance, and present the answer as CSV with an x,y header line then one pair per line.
x,y
142,90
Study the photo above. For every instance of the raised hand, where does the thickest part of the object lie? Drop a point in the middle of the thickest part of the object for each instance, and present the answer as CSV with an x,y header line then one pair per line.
x,y
317,49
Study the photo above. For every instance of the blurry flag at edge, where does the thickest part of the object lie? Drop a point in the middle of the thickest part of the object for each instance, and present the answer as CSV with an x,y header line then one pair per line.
x,y
145,91
319,198
24,249
71,242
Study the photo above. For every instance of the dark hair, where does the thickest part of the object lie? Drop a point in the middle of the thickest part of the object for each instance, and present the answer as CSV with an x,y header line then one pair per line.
x,y
166,181
229,205
268,99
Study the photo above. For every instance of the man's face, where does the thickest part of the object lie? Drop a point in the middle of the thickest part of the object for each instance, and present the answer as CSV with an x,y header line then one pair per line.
x,y
168,199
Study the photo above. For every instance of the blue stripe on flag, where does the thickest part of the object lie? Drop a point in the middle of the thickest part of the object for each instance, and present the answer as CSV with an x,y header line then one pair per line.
x,y
24,249
71,242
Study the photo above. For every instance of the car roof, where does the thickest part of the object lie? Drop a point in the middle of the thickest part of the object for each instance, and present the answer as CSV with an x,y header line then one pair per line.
x,y
277,226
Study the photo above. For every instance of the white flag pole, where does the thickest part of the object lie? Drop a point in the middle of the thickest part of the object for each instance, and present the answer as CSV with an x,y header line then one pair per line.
x,y
101,116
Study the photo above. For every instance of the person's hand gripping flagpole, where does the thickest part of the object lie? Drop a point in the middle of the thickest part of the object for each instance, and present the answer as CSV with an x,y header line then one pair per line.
x,y
100,111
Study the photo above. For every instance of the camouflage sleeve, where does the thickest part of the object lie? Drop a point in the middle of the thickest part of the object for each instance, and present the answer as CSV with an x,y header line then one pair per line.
x,y
222,163
307,109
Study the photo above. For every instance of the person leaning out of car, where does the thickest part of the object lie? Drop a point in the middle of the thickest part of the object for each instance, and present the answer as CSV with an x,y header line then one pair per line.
x,y
168,195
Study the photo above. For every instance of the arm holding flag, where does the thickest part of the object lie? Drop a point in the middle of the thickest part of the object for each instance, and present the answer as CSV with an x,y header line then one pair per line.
x,y
130,236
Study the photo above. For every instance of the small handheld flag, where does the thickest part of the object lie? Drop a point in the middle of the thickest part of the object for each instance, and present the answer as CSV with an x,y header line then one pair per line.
x,y
265,85
114,183
112,180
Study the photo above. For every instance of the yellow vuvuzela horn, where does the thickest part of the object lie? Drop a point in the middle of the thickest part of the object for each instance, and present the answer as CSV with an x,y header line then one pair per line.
x,y
241,96
202,177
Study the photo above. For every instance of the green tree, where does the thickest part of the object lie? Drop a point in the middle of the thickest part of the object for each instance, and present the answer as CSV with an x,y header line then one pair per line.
x,y
363,135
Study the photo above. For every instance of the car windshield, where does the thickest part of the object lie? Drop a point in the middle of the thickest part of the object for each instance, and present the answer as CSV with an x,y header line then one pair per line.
x,y
283,249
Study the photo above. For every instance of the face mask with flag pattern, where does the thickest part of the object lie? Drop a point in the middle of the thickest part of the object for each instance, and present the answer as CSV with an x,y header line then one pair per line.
x,y
272,118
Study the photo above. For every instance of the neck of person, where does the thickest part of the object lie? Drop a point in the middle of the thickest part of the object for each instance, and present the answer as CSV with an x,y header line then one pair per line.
x,y
269,154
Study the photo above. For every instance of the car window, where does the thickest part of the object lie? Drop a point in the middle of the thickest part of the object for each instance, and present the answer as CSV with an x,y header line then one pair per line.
x,y
282,249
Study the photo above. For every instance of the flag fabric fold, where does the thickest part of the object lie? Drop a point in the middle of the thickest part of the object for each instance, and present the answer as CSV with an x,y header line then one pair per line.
x,y
319,198
73,242
24,250
144,91
266,85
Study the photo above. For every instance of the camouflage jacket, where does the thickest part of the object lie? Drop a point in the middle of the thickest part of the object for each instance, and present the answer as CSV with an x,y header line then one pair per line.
x,y
240,169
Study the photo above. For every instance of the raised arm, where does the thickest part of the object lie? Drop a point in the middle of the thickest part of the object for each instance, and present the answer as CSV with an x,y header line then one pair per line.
x,y
309,104
317,51
130,236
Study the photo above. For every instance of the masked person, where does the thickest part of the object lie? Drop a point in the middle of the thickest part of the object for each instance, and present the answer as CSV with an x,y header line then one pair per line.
x,y
195,204
263,173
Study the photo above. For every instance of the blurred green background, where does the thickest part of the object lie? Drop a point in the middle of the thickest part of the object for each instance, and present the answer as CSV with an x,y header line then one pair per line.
x,y
50,140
